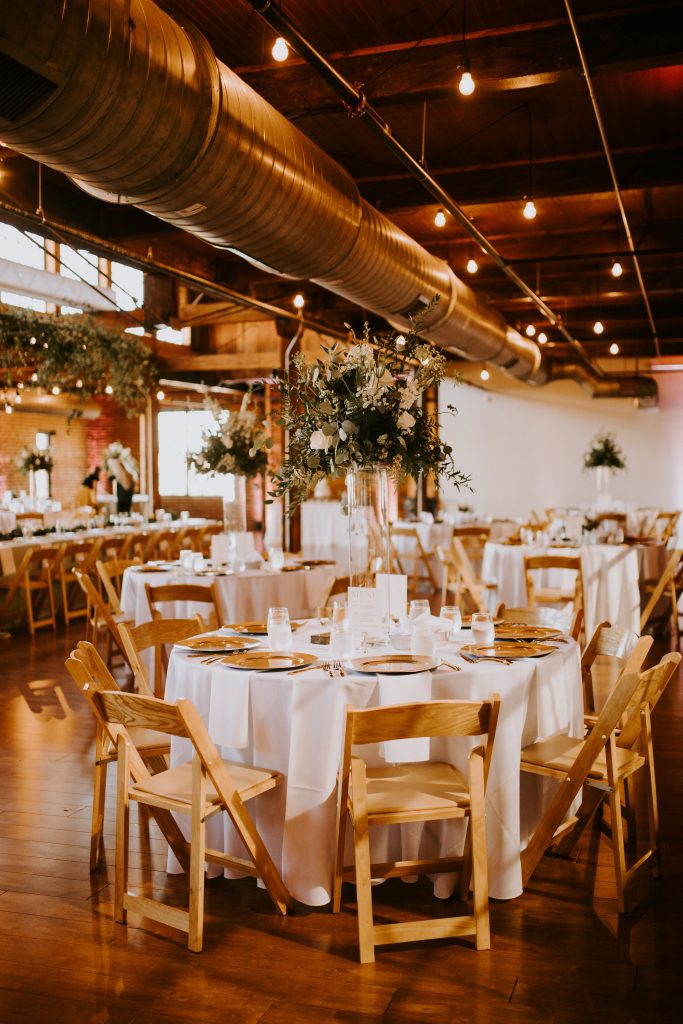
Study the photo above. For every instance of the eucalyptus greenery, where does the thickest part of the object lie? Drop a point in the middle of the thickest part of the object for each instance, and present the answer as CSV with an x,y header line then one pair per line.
x,y
362,406
239,443
604,451
30,458
76,355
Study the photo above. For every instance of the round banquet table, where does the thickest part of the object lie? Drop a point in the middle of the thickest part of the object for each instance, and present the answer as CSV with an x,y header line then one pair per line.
x,y
8,521
294,724
242,596
610,580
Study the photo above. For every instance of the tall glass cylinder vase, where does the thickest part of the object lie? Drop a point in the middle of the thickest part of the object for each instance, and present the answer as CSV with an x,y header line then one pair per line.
x,y
235,506
603,500
367,495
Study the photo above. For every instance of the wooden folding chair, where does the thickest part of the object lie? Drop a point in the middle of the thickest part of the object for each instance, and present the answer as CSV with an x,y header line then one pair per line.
x,y
610,653
155,635
334,585
417,553
134,545
665,525
474,540
112,547
100,616
203,540
81,555
554,595
110,574
157,545
187,592
87,669
598,765
34,576
461,578
664,591
417,792
202,787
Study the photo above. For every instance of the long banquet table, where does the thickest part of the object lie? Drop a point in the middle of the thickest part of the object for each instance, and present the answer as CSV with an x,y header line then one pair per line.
x,y
610,580
294,724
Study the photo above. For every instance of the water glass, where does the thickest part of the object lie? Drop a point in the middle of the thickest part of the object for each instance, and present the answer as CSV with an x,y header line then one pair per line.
x,y
339,639
482,628
418,608
276,559
339,613
453,617
197,561
186,560
279,629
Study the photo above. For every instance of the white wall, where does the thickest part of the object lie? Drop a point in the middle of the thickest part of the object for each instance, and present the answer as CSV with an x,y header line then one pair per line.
x,y
524,446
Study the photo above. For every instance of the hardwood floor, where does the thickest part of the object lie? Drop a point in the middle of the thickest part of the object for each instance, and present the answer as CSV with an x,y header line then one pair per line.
x,y
560,953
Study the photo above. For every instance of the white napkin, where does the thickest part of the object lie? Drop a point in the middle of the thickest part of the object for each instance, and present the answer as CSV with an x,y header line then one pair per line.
x,y
405,690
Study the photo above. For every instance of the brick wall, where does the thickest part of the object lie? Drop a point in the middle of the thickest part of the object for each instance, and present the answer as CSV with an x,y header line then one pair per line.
x,y
111,425
68,446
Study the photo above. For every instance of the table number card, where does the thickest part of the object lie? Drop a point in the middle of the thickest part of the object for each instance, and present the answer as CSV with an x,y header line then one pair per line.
x,y
365,611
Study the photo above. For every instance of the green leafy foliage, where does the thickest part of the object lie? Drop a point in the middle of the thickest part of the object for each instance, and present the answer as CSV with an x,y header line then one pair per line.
x,y
362,406
604,451
31,458
238,444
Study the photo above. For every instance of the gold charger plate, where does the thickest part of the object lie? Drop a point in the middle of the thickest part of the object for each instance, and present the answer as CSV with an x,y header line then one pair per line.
x,y
149,568
217,644
313,563
254,628
511,649
393,664
269,661
521,631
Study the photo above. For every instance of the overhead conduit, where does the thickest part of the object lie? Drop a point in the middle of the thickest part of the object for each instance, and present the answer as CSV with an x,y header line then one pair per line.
x,y
137,109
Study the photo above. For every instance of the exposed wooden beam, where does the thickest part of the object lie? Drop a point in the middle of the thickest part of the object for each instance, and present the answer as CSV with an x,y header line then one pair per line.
x,y
217,362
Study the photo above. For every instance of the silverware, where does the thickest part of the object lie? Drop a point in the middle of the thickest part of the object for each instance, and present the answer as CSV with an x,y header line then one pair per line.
x,y
479,661
448,664
307,668
338,667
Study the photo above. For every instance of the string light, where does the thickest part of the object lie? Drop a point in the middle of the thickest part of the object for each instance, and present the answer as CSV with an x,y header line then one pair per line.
x,y
440,219
598,327
34,378
56,390
542,338
529,210
530,330
31,341
109,390
17,399
161,395
8,409
617,269
472,265
466,83
299,301
280,49
79,383
400,341
484,374
614,349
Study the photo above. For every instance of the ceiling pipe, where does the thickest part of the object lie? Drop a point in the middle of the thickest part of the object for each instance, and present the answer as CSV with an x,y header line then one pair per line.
x,y
613,173
138,110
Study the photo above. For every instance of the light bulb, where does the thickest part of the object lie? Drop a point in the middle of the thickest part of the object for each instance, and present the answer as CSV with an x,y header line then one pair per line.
x,y
466,84
161,395
56,390
109,390
530,330
79,383
8,409
280,49
472,265
484,374
20,385
529,210
440,218
617,269
34,377
542,338
17,399
598,327
400,341
32,341
45,345
614,349
299,301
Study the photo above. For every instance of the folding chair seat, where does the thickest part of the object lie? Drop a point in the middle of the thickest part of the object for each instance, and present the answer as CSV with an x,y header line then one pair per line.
x,y
201,788
154,636
415,792
35,576
194,593
87,669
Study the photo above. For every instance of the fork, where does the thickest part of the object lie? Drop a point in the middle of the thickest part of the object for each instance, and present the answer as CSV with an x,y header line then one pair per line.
x,y
338,667
480,661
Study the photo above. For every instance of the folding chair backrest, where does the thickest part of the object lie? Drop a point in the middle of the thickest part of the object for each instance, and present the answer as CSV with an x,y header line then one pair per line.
x,y
666,581
111,573
189,592
468,577
136,709
155,634
408,721
613,641
653,683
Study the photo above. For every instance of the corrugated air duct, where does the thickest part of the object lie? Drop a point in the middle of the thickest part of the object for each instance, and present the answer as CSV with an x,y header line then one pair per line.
x,y
137,109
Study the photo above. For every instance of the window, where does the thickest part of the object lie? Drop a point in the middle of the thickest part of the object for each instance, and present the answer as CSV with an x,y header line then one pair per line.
x,y
18,247
42,477
174,337
180,433
128,284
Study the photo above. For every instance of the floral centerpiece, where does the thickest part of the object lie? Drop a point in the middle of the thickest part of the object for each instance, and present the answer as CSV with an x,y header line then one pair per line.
x,y
115,456
239,444
31,459
604,452
361,407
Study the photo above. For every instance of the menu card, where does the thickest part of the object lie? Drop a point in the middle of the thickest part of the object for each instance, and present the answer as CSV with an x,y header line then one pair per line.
x,y
365,612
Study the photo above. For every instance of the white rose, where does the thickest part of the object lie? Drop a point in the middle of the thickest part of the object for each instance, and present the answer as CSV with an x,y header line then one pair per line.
x,y
405,421
320,441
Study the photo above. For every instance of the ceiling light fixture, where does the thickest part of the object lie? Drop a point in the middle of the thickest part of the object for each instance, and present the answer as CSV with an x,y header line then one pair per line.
x,y
280,49
529,211
161,395
614,349
109,390
440,219
530,330
472,265
617,269
542,338
299,301
8,409
598,327
466,84
56,390
485,375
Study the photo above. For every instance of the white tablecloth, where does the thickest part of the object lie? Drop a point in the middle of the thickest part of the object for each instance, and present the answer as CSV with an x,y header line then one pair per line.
x,y
610,580
243,596
294,724
8,521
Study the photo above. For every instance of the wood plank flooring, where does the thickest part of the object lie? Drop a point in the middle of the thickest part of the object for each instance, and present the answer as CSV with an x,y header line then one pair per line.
x,y
560,955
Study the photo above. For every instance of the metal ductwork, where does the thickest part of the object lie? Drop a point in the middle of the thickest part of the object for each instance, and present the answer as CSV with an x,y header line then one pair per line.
x,y
137,109
642,389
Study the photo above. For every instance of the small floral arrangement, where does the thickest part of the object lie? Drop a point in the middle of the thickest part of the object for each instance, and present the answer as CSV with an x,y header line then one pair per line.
x,y
239,444
115,455
589,524
30,458
362,406
604,451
